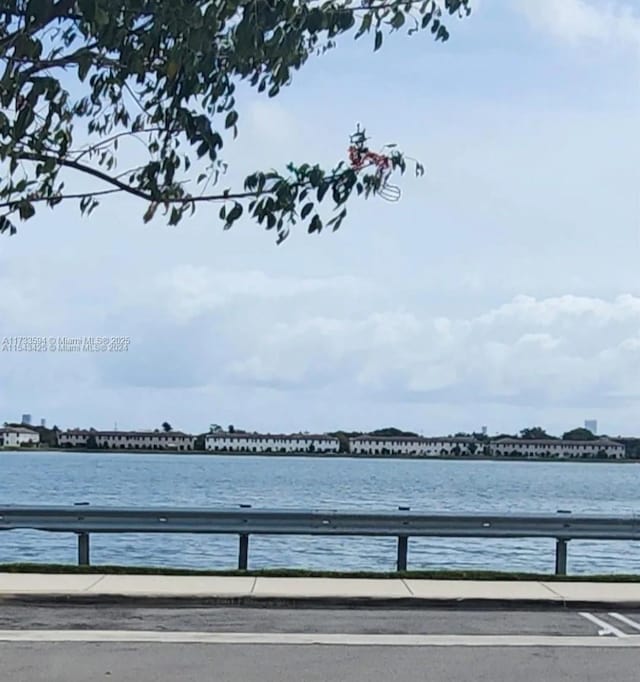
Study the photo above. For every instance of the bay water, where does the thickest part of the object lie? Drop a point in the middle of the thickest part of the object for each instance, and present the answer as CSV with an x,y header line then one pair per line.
x,y
125,479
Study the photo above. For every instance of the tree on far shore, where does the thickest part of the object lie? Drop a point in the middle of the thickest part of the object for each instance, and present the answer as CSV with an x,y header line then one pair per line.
x,y
391,431
535,433
579,434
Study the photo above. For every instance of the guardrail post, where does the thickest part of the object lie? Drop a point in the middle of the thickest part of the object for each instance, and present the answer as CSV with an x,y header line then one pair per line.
x,y
561,556
403,547
83,541
243,552
243,548
83,549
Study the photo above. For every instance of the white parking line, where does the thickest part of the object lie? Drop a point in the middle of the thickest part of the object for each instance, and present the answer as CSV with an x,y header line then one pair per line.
x,y
605,628
151,637
627,621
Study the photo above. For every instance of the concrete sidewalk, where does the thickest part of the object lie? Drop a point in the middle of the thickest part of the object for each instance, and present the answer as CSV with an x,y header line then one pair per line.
x,y
95,588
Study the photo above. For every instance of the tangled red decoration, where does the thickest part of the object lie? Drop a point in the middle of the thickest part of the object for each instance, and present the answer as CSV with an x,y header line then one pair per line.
x,y
361,157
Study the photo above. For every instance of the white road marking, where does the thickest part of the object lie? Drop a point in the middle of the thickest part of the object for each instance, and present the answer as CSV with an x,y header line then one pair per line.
x,y
605,628
627,621
144,637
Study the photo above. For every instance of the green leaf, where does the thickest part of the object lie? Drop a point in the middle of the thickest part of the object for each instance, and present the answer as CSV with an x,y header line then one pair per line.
x,y
150,212
38,9
232,118
316,176
315,225
6,225
442,34
365,27
346,20
398,20
234,214
84,64
337,221
322,190
378,40
24,120
26,210
306,210
315,20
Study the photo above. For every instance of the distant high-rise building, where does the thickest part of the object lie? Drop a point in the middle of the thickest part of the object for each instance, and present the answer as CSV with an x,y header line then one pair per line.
x,y
43,422
484,430
26,419
591,425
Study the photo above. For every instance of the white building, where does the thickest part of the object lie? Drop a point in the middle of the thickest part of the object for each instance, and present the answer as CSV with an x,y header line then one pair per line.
x,y
18,436
380,445
73,438
415,446
558,449
127,440
222,441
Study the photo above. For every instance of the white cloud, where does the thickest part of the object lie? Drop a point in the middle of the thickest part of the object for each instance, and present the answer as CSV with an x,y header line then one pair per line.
x,y
191,291
198,327
568,350
591,21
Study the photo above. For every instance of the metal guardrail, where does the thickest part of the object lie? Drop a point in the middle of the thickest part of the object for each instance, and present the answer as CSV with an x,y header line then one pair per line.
x,y
244,521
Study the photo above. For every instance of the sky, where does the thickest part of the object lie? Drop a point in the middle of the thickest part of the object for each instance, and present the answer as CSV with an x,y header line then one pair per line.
x,y
502,290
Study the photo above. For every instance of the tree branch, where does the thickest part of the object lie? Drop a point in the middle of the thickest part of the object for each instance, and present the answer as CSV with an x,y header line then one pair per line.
x,y
44,64
98,145
122,187
13,205
69,163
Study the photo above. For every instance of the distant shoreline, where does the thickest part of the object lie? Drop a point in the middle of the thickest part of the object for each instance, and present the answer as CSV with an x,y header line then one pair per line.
x,y
319,455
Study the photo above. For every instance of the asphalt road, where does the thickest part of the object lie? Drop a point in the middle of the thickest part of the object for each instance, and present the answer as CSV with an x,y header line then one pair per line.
x,y
195,663
377,621
360,645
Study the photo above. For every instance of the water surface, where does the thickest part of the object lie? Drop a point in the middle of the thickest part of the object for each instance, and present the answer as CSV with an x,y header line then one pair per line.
x,y
319,483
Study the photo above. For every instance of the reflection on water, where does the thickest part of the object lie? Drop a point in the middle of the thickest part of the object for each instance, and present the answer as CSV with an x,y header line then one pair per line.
x,y
292,482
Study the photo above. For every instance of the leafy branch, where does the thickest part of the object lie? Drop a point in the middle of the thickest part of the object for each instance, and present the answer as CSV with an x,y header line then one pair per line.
x,y
168,70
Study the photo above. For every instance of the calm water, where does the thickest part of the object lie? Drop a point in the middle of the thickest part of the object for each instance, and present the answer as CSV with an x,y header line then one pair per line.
x,y
123,479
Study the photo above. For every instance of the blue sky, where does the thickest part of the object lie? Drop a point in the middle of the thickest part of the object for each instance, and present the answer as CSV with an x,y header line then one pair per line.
x,y
502,290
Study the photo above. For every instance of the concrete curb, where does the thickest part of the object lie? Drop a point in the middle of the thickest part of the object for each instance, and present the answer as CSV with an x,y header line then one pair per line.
x,y
329,602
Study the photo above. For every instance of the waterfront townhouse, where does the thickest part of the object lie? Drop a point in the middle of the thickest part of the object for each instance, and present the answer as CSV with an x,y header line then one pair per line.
x,y
222,441
602,448
127,440
413,446
18,436
74,438
381,445
447,446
